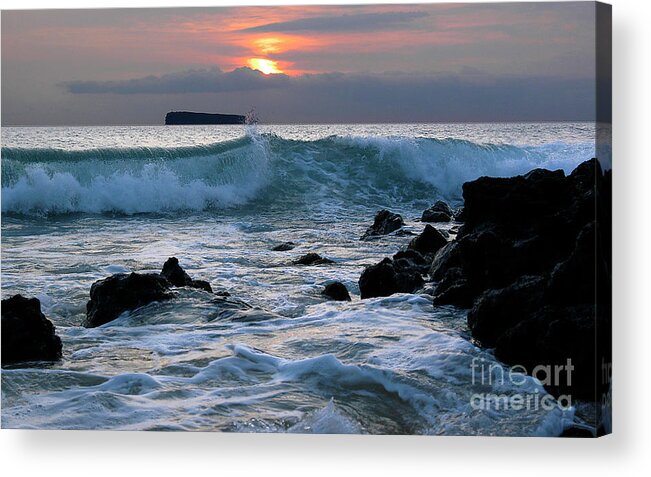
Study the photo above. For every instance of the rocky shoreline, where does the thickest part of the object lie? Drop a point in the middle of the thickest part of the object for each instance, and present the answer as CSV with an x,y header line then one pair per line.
x,y
529,257
532,262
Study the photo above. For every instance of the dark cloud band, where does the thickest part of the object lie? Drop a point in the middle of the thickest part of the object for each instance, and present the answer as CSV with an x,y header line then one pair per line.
x,y
400,97
344,23
193,81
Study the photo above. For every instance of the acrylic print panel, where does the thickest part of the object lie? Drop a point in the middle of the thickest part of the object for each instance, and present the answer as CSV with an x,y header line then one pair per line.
x,y
376,219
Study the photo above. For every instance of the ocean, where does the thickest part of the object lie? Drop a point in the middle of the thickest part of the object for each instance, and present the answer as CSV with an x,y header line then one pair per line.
x,y
82,203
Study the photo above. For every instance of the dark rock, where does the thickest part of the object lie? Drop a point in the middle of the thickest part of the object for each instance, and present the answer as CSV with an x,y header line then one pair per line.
x,y
336,291
534,255
378,280
448,256
550,336
387,278
173,272
411,255
312,259
385,222
517,204
434,216
27,335
459,294
523,225
439,212
428,242
202,285
491,259
442,206
408,281
568,283
411,260
454,289
495,311
460,215
284,247
112,296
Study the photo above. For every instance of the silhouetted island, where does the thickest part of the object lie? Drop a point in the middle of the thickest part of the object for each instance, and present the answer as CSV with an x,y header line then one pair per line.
x,y
187,117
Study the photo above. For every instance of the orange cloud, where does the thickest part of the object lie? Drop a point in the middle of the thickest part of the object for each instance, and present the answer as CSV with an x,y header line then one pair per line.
x,y
230,38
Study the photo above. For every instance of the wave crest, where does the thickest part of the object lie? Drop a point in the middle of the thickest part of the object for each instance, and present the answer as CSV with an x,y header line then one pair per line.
x,y
265,169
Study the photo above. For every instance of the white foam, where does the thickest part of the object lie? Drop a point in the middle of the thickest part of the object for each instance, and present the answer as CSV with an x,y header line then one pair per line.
x,y
135,185
130,384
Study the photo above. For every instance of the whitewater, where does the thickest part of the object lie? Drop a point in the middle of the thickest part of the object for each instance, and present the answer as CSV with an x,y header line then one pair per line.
x,y
79,204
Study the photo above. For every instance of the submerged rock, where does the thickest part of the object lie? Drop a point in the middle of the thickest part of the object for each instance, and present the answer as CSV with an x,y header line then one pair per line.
x,y
385,222
112,296
173,272
284,247
336,291
439,212
27,335
312,259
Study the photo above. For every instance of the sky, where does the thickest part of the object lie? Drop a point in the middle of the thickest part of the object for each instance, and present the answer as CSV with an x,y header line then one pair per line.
x,y
301,64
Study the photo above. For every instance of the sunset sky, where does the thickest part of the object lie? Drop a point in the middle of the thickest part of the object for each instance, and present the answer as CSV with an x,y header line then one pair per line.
x,y
314,64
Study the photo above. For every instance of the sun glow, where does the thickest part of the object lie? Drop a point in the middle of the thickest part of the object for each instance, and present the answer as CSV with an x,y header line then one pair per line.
x,y
265,66
268,45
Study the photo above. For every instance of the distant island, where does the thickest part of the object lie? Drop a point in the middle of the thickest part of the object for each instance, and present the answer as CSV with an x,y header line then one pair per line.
x,y
187,117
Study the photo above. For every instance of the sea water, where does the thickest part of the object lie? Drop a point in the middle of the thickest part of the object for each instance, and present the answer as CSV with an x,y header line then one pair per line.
x,y
82,203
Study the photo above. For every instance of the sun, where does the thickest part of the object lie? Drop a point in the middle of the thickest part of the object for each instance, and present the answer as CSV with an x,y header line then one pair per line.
x,y
265,66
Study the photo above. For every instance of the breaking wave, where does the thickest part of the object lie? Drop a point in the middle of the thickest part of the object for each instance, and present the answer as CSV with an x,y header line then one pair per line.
x,y
262,169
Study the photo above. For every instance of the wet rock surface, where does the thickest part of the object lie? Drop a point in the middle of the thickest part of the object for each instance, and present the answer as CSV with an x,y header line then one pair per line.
x,y
112,296
439,212
312,259
179,278
385,222
27,335
336,291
